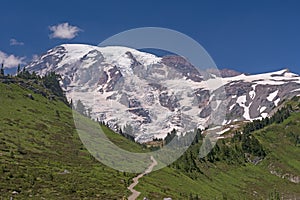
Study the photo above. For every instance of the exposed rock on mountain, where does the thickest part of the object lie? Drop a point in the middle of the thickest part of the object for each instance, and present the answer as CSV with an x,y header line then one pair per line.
x,y
154,95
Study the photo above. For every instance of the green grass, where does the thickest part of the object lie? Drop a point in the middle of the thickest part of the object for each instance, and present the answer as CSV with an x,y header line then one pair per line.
x,y
38,142
246,181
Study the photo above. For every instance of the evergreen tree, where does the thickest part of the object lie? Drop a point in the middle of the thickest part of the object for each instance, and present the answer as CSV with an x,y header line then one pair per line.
x,y
24,74
71,104
19,69
170,136
51,81
205,148
2,70
80,108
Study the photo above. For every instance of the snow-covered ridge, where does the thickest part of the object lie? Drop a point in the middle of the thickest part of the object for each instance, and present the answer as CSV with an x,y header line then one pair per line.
x,y
67,54
112,54
271,78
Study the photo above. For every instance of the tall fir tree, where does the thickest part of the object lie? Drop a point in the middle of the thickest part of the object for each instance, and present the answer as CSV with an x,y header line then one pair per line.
x,y
19,69
80,108
2,70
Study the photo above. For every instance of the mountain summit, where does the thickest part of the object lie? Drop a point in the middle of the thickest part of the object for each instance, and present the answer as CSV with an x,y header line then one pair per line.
x,y
123,86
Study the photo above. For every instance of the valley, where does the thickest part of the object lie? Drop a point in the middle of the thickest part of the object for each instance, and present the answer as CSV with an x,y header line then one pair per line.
x,y
43,157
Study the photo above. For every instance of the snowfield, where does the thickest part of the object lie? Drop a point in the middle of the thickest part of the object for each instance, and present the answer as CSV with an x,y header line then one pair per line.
x,y
124,86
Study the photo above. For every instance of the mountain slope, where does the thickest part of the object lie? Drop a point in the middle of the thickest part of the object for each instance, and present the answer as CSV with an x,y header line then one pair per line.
x,y
41,155
155,95
230,177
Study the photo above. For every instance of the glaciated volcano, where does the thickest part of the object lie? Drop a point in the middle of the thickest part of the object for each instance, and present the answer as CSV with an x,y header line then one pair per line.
x,y
123,86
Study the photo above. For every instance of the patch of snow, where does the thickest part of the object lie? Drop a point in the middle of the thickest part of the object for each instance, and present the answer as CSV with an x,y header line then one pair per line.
x,y
223,131
232,106
280,72
262,109
252,94
264,115
290,75
246,114
277,101
226,122
75,52
211,97
258,79
118,53
272,95
215,104
241,100
214,128
212,75
296,90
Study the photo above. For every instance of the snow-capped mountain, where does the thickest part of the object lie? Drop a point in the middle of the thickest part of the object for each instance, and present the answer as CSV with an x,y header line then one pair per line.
x,y
156,94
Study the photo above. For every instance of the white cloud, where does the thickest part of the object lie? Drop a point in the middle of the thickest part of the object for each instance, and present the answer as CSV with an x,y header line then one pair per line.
x,y
35,57
14,42
10,61
64,31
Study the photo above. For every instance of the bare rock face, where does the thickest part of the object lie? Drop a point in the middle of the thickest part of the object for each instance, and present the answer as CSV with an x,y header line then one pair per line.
x,y
144,114
169,101
205,112
154,95
115,77
224,72
183,66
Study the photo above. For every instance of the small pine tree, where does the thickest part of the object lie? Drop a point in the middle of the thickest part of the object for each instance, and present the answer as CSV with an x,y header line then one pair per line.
x,y
80,108
19,69
51,81
71,104
2,70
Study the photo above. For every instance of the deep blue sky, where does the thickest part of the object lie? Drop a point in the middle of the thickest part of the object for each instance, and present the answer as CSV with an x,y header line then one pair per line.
x,y
249,36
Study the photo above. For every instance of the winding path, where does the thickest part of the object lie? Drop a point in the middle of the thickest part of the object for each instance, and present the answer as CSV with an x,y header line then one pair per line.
x,y
135,193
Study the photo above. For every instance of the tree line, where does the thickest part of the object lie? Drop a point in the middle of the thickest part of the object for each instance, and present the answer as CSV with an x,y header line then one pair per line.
x,y
242,147
49,81
278,117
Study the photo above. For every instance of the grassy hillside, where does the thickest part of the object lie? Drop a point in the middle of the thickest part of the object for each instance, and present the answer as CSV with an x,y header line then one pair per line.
x,y
231,176
41,154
